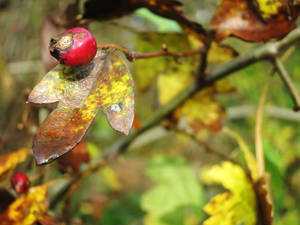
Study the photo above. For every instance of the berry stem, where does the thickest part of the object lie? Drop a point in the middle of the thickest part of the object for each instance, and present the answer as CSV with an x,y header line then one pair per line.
x,y
131,56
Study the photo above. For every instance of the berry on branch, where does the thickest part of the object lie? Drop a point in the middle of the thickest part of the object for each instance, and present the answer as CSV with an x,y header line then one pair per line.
x,y
74,47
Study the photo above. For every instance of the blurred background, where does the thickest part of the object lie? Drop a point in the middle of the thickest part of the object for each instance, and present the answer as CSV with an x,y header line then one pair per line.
x,y
114,195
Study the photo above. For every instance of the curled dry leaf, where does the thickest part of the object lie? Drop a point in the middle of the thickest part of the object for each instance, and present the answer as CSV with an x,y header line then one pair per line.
x,y
8,162
28,209
265,204
104,83
237,18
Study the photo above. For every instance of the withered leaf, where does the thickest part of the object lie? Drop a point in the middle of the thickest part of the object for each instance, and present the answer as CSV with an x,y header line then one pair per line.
x,y
105,83
265,204
238,18
28,209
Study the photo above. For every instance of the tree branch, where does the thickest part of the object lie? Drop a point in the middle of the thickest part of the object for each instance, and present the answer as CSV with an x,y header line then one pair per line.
x,y
285,77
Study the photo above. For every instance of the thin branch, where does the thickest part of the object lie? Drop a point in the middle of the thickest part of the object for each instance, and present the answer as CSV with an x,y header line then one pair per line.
x,y
285,77
258,126
131,56
202,68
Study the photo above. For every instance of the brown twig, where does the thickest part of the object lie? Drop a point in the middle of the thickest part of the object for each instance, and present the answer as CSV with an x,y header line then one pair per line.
x,y
285,77
131,56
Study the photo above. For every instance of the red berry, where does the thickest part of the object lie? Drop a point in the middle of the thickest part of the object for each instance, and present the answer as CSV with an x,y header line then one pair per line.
x,y
74,47
20,183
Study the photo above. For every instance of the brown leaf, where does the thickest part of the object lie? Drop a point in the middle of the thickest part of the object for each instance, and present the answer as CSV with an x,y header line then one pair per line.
x,y
237,18
265,205
71,161
105,83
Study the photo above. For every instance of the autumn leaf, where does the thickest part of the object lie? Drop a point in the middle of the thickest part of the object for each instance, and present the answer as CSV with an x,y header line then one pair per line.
x,y
8,162
260,183
237,18
104,83
27,209
238,206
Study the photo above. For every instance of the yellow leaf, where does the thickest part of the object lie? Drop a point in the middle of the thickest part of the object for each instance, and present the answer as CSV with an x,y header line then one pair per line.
x,y
238,206
28,209
219,53
169,85
9,161
202,110
269,8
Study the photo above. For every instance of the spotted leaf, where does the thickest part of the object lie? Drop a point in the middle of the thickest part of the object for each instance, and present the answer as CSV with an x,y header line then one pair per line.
x,y
105,83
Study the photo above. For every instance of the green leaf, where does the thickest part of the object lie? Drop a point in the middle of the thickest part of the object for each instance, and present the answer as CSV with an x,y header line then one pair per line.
x,y
177,189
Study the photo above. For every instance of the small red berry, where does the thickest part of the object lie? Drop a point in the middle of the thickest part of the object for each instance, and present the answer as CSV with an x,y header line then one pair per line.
x,y
74,47
20,183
